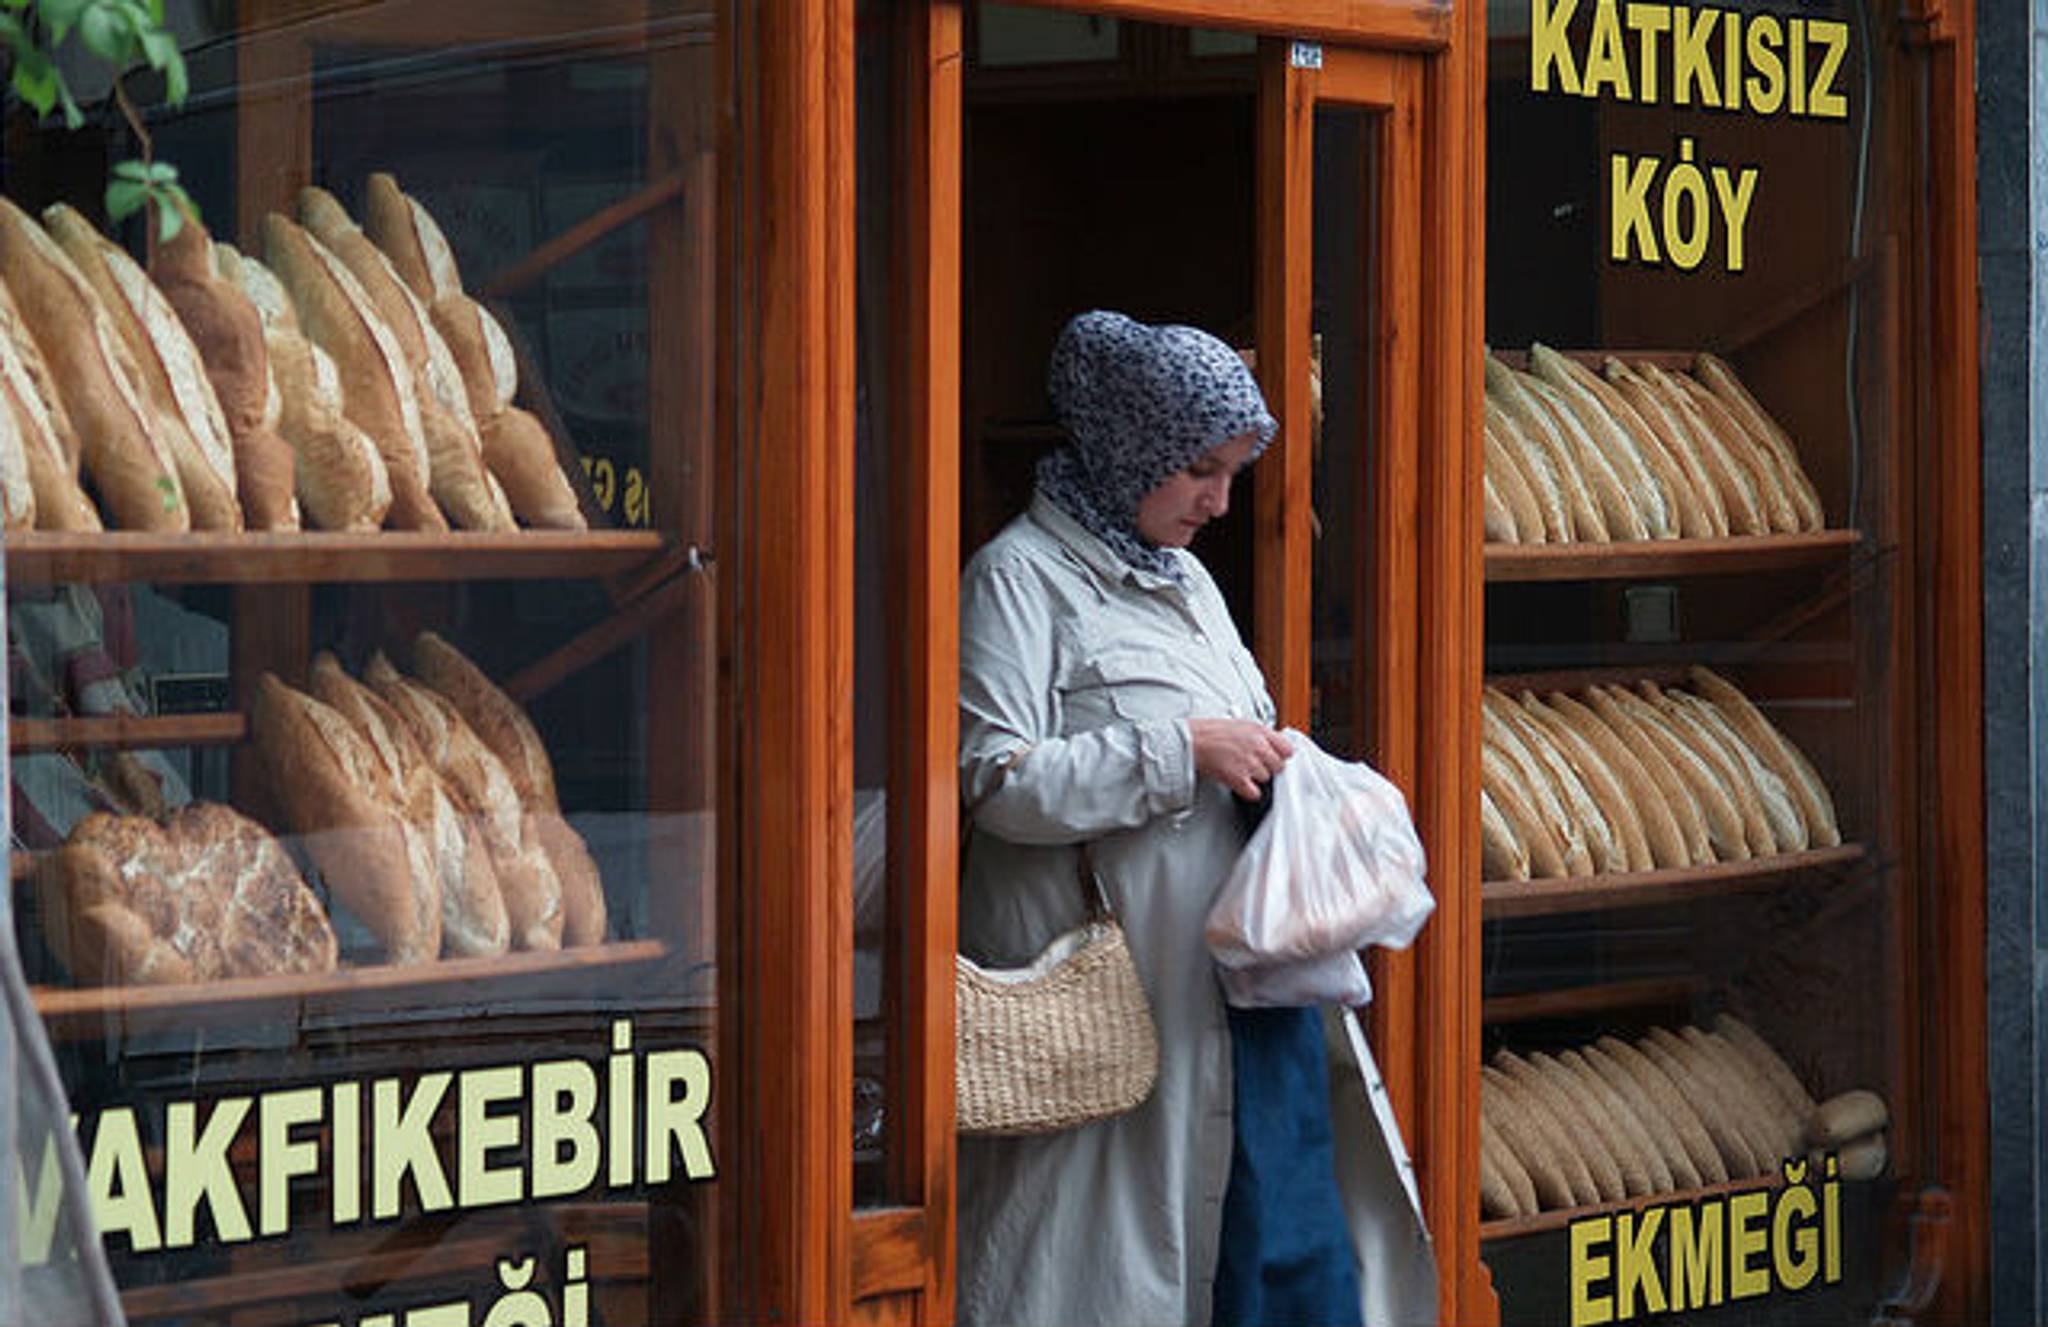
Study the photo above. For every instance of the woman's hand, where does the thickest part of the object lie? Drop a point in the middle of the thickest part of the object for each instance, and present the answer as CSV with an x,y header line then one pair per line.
x,y
1240,754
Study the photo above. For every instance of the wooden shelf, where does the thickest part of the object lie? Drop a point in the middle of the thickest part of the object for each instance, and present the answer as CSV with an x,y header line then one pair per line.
x,y
1577,1001
1639,558
42,558
1559,1218
127,732
1503,899
368,994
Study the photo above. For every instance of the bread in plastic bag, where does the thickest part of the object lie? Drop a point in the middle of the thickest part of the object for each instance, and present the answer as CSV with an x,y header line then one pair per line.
x,y
1334,867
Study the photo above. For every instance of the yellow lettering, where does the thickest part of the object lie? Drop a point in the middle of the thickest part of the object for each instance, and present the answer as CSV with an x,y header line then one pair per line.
x,y
1795,61
347,1158
1691,66
1747,1235
1795,1253
1606,61
1550,46
1635,1263
565,1141
196,1170
1695,1257
401,1144
1833,37
1628,216
1589,1267
38,1204
1685,210
1765,86
281,1157
1831,1224
117,1178
678,1118
479,1133
1731,60
1648,22
1735,196
619,1104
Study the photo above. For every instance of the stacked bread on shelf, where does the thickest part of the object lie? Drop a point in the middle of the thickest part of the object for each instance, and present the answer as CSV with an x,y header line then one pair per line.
x,y
427,804
195,895
1635,451
1619,779
344,381
1671,1111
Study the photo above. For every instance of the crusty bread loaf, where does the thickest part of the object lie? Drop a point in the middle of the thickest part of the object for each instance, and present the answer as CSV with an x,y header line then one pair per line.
x,y
1816,807
1772,487
1717,376
1671,1101
1649,497
1847,1116
1559,1142
1502,788
1537,471
325,778
1535,426
174,384
1502,730
1679,797
1649,1154
504,727
1689,516
1717,803
50,447
1618,803
459,480
1496,522
1731,476
1659,1127
1521,1189
1603,842
1676,440
1542,1154
1502,854
1660,824
409,235
1747,1040
1781,810
1730,1139
377,382
228,332
1587,1134
1624,513
96,378
17,492
1787,1127
1510,475
205,895
485,792
338,472
473,918
1704,742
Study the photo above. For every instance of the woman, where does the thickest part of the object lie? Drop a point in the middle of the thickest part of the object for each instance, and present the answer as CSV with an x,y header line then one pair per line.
x,y
1106,700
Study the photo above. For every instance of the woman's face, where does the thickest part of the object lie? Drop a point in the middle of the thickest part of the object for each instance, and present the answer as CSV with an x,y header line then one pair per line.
x,y
1173,513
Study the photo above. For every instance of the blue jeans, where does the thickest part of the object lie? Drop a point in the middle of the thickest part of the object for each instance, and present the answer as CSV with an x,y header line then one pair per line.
x,y
1286,1258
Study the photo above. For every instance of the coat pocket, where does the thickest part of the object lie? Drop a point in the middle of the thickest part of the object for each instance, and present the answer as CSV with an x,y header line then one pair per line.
x,y
1125,683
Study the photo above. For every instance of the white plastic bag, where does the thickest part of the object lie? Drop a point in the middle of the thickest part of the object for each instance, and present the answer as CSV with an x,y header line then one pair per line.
x,y
1334,867
1336,979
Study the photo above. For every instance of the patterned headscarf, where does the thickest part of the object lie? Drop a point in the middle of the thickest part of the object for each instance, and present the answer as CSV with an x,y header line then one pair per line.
x,y
1139,404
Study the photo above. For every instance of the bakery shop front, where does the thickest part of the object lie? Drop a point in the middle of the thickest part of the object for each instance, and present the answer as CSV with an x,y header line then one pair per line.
x,y
483,627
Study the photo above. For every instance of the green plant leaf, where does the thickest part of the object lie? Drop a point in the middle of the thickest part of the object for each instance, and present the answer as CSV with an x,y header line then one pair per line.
x,y
36,79
59,16
74,118
106,33
131,169
15,4
124,199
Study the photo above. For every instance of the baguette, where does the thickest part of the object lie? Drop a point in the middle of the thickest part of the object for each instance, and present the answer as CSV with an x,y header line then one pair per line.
x,y
96,378
377,385
1788,829
1525,1142
338,472
457,475
1648,493
1768,1062
227,331
1706,743
50,447
1600,782
1626,515
1496,1199
504,727
1676,440
173,380
1726,832
1679,798
17,491
1718,377
1657,1124
409,235
1649,1154
1863,1159
1533,424
1537,470
1521,1189
1567,1114
1771,485
325,776
1781,1133
1816,807
482,790
473,918
1502,854
1747,513
1672,1102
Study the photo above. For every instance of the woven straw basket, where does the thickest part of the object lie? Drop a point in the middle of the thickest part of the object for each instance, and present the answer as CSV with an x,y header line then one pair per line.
x,y
1060,1043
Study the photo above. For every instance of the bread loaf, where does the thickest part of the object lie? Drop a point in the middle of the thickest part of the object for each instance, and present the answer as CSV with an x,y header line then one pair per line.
x,y
1678,796
1731,476
1648,495
377,383
50,447
1554,1165
1534,424
1501,788
1649,1154
338,471
1502,730
1704,742
1502,854
17,493
457,474
1688,517
1768,1062
1497,522
374,860
1717,803
1571,1114
1625,515
205,895
1863,1159
97,379
1603,842
1658,1126
1771,484
1816,807
1731,1139
1537,470
1509,475
1672,1102
1674,438
409,235
1846,1117
473,918
1521,1189
483,791
1618,803
1775,1134
227,331
1781,811
1718,377
173,381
